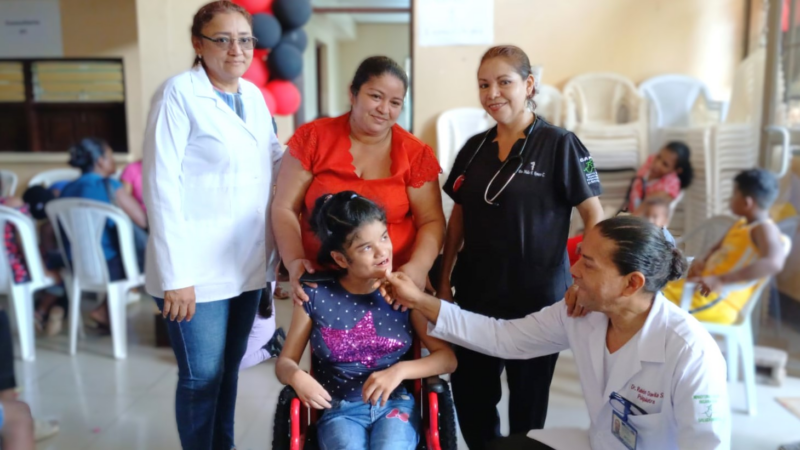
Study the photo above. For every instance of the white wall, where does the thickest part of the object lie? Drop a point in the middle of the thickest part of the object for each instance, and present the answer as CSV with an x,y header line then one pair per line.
x,y
392,40
327,29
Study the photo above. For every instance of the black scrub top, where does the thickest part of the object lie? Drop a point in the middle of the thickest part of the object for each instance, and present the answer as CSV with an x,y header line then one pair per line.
x,y
514,261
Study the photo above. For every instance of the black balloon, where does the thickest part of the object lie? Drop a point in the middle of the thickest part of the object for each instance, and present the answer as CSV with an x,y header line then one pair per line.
x,y
292,13
285,62
267,30
297,38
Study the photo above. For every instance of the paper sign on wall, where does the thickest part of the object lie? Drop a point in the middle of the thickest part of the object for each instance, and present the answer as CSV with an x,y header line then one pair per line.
x,y
30,29
455,22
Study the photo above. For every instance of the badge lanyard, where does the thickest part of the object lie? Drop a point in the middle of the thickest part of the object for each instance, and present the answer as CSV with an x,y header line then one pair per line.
x,y
620,428
490,201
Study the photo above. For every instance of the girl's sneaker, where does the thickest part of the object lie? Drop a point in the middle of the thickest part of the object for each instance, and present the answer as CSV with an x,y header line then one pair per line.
x,y
275,345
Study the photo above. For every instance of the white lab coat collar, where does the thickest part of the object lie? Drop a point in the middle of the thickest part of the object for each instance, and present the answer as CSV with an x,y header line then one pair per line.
x,y
651,346
202,87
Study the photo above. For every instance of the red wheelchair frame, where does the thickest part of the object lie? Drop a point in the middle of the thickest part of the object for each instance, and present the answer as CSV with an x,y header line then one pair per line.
x,y
292,432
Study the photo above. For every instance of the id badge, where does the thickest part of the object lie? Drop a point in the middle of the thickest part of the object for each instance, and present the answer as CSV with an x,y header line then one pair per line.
x,y
623,431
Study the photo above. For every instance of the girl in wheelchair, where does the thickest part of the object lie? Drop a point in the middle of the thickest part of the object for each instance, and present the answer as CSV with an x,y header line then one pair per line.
x,y
357,339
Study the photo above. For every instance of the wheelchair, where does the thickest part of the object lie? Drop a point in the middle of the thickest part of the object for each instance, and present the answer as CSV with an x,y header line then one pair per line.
x,y
294,427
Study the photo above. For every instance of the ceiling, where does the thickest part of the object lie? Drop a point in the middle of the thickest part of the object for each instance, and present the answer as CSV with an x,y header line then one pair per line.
x,y
370,17
362,3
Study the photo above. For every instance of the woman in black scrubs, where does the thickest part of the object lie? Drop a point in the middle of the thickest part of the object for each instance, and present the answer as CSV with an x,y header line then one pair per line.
x,y
514,188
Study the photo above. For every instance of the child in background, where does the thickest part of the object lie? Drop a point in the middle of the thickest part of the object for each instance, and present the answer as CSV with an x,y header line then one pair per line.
x,y
51,304
357,339
752,251
665,173
264,342
655,209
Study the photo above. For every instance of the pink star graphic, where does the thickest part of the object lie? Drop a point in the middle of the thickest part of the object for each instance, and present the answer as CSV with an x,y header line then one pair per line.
x,y
359,344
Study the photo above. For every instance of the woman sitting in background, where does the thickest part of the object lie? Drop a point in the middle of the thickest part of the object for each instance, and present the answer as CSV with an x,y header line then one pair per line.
x,y
96,161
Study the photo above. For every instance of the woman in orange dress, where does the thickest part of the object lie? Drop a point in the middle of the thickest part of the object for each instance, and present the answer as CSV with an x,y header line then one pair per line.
x,y
367,152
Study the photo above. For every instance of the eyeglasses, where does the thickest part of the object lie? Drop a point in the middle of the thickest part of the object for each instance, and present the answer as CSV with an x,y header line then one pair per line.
x,y
624,406
226,43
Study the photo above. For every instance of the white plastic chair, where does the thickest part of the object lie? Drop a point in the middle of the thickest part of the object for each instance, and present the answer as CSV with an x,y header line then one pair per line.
x,y
672,99
453,128
720,151
607,113
84,222
549,103
738,336
8,183
698,242
49,177
21,294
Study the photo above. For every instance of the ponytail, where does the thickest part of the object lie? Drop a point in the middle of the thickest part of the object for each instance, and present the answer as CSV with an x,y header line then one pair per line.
x,y
336,217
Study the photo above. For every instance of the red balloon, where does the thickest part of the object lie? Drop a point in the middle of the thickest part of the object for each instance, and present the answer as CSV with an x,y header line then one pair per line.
x,y
257,73
255,6
270,99
287,97
260,54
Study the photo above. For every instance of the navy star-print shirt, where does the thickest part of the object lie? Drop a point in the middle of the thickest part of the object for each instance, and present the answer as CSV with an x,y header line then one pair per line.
x,y
352,337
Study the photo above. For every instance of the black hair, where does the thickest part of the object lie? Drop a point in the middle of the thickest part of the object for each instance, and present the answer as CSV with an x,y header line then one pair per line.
x,y
642,247
759,184
519,60
265,305
84,154
686,173
375,66
336,217
37,197
207,13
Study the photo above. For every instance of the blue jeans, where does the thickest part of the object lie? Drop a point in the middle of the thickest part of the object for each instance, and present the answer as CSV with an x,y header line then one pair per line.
x,y
209,350
360,426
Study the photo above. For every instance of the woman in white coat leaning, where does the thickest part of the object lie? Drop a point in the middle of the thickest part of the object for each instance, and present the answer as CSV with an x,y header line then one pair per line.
x,y
652,376
210,155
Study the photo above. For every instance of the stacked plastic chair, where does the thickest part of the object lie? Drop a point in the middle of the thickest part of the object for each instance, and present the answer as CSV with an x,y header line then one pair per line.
x,y
607,113
719,151
678,101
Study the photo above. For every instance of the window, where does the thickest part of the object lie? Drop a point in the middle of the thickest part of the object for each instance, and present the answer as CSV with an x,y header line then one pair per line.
x,y
48,105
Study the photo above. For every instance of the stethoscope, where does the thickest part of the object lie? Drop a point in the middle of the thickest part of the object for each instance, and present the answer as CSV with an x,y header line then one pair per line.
x,y
490,201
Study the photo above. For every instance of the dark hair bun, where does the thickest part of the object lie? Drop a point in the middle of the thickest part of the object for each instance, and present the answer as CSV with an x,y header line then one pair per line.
x,y
678,266
85,153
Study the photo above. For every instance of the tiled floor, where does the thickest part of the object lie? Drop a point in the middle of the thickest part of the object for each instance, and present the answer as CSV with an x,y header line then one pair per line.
x,y
105,404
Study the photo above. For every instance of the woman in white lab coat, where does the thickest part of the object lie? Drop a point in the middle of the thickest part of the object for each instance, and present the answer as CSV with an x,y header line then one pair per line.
x,y
210,154
652,377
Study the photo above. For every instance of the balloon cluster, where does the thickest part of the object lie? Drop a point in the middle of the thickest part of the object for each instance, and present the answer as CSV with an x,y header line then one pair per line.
x,y
278,58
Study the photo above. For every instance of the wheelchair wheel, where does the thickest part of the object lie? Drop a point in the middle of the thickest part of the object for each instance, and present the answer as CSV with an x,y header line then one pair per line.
x,y
448,435
282,428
